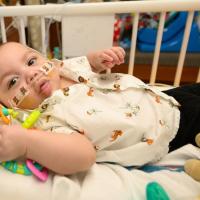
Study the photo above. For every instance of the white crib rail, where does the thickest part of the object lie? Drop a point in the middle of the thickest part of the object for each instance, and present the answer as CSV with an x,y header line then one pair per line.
x,y
3,30
135,7
102,8
43,35
157,48
183,48
21,27
133,43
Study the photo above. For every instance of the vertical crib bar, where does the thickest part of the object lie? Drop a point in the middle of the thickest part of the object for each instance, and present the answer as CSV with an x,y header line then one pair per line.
x,y
198,76
44,49
3,30
183,48
133,43
22,31
157,48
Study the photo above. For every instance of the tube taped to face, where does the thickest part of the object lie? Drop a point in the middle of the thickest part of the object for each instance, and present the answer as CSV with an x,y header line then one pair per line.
x,y
46,68
17,99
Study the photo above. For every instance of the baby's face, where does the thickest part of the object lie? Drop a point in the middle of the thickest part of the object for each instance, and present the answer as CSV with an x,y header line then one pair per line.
x,y
20,67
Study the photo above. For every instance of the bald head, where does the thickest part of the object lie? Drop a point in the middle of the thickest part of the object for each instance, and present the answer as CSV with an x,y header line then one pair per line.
x,y
14,44
11,44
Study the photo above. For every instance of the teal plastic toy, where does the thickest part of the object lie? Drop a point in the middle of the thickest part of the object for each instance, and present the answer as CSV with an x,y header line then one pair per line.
x,y
154,191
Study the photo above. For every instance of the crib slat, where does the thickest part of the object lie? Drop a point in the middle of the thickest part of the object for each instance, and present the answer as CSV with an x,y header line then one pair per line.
x,y
157,48
198,77
22,31
183,48
133,43
3,30
44,49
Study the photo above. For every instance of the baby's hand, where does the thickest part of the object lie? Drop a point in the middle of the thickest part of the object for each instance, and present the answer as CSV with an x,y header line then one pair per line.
x,y
12,142
106,59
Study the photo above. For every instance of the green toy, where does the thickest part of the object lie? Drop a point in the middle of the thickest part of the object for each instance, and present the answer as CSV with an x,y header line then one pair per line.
x,y
155,191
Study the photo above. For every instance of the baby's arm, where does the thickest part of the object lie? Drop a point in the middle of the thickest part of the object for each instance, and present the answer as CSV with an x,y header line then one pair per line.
x,y
106,59
61,153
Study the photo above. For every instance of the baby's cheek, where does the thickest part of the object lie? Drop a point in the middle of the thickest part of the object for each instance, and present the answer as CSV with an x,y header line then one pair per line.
x,y
17,94
30,102
55,79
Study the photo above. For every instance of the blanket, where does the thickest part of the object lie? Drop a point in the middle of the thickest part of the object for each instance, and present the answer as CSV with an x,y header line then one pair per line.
x,y
107,181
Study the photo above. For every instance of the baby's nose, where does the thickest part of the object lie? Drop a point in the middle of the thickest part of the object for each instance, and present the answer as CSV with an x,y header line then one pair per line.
x,y
31,76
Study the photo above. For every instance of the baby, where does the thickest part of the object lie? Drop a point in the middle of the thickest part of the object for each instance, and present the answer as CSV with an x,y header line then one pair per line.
x,y
89,117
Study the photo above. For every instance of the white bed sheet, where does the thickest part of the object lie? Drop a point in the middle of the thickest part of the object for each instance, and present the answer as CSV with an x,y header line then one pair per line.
x,y
105,181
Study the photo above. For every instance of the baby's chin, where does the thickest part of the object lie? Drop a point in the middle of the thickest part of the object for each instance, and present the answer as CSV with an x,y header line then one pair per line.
x,y
34,101
31,103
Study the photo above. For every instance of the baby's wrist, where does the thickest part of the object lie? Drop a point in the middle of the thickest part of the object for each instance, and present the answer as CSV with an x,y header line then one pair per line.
x,y
28,137
25,139
28,142
90,59
93,64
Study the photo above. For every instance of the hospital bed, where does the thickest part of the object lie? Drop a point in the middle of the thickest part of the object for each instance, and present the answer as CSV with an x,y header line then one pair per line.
x,y
86,27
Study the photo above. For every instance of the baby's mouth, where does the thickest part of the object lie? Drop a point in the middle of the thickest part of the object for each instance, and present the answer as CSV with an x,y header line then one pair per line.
x,y
45,87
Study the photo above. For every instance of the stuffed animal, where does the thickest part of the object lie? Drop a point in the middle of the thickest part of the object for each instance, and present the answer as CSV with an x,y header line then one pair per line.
x,y
192,166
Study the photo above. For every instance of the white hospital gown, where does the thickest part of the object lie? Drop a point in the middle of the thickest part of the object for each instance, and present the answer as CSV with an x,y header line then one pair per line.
x,y
127,122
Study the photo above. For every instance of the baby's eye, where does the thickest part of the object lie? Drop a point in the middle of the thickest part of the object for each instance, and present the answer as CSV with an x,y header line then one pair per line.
x,y
31,61
12,82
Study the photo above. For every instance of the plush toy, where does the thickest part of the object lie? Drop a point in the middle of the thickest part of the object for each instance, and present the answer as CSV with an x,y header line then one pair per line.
x,y
192,166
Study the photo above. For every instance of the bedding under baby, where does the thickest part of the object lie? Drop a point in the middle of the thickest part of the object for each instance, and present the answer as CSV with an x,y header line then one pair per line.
x,y
106,181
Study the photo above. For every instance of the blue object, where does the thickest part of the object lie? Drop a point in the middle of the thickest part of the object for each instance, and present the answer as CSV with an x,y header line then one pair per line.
x,y
172,37
155,168
155,191
148,35
126,43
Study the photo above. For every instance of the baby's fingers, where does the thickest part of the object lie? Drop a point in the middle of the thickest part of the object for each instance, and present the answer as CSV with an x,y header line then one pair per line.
x,y
107,64
106,57
113,55
120,53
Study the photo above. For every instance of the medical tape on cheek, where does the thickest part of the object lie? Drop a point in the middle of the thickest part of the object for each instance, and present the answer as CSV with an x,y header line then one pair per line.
x,y
44,70
47,68
17,99
23,92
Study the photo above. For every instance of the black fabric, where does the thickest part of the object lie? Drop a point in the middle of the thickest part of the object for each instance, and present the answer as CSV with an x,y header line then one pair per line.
x,y
189,98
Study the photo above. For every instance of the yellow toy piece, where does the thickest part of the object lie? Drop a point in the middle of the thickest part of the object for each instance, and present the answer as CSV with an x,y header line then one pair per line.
x,y
31,119
192,166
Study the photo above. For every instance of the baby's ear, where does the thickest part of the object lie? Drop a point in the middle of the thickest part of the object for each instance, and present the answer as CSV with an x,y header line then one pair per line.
x,y
197,139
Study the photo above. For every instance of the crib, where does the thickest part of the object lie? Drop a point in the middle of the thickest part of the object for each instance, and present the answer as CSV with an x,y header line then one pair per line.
x,y
72,14
76,20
